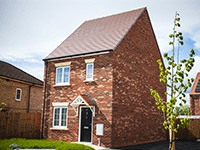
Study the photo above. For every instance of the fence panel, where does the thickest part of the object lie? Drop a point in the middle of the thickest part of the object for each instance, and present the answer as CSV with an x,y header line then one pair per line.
x,y
191,131
19,125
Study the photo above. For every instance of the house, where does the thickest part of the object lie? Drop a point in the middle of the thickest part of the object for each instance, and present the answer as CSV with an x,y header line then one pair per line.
x,y
98,80
195,96
19,90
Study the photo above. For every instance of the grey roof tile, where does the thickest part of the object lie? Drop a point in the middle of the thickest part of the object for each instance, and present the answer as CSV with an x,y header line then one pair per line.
x,y
10,71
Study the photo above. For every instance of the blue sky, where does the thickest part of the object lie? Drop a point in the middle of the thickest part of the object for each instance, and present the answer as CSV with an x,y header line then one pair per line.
x,y
31,29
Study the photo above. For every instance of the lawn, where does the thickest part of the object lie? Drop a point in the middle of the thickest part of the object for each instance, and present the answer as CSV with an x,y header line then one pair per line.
x,y
35,143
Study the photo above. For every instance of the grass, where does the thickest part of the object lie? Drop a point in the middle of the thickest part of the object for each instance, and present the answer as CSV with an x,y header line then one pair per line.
x,y
35,143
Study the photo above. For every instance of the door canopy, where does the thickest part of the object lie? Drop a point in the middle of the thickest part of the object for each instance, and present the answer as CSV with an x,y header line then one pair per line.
x,y
84,100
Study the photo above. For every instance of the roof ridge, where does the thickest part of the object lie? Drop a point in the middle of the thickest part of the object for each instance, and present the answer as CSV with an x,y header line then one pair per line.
x,y
22,72
115,14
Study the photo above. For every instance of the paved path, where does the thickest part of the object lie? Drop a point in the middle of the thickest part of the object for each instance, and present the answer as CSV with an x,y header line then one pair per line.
x,y
164,145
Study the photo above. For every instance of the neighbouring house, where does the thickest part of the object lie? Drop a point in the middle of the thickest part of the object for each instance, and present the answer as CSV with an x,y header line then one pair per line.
x,y
19,90
195,96
98,83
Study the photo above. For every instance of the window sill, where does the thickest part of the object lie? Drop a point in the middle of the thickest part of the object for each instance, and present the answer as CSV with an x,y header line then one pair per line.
x,y
58,128
61,85
88,81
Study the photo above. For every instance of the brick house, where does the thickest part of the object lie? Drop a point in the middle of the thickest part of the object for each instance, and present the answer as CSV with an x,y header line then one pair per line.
x,y
98,83
19,90
195,96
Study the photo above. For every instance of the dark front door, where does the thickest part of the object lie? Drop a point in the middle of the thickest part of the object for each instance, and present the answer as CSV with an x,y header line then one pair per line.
x,y
86,124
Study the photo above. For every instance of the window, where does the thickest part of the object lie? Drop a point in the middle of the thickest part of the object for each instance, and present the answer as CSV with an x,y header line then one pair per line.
x,y
62,75
18,94
60,117
89,71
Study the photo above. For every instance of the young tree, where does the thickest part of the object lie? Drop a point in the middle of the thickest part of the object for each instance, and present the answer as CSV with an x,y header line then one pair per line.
x,y
175,76
2,106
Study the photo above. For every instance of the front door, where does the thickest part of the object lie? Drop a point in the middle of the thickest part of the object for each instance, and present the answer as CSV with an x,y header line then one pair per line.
x,y
86,124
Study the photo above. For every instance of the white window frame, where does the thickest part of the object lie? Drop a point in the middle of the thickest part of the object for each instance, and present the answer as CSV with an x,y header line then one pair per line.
x,y
60,115
20,94
62,79
89,79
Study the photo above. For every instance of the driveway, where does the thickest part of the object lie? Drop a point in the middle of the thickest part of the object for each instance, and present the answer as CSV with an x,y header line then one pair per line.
x,y
164,145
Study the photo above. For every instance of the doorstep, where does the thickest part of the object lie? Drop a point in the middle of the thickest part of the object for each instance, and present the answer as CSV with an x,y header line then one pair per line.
x,y
94,146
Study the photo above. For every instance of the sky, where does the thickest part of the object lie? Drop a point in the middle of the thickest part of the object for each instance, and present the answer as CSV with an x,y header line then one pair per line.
x,y
31,29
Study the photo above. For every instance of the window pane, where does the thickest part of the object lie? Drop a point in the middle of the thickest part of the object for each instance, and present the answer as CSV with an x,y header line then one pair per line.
x,y
18,94
59,75
56,117
89,71
66,75
64,117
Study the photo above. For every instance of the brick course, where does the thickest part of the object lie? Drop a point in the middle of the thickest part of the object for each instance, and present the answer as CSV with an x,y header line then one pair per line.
x,y
121,89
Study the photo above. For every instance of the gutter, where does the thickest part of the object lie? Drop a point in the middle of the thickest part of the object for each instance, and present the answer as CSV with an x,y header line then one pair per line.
x,y
44,99
194,95
29,97
78,55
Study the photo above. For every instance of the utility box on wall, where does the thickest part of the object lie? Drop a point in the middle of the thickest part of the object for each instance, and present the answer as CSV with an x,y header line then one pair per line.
x,y
99,129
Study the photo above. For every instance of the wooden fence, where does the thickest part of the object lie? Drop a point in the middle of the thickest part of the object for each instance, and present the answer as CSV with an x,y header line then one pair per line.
x,y
20,125
192,131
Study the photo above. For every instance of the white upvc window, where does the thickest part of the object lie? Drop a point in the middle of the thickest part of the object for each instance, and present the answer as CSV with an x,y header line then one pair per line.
x,y
62,75
89,71
60,117
18,94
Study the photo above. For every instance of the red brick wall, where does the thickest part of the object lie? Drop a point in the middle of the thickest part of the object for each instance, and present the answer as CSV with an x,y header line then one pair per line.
x,y
100,91
195,105
36,98
136,118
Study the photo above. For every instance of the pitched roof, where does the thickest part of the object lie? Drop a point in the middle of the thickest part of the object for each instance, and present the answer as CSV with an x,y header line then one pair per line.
x,y
196,85
97,35
10,71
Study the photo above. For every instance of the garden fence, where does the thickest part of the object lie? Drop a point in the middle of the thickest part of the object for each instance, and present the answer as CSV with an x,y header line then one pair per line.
x,y
20,125
191,131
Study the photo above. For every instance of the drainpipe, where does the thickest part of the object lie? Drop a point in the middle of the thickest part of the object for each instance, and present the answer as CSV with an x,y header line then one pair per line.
x,y
29,97
44,99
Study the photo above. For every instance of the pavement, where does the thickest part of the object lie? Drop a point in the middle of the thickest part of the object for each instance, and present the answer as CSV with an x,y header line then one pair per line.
x,y
163,145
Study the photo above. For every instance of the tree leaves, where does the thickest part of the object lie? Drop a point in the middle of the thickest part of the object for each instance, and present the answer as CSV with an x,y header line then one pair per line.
x,y
175,76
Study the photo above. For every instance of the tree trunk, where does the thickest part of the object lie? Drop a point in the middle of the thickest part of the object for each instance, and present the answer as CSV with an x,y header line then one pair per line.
x,y
171,140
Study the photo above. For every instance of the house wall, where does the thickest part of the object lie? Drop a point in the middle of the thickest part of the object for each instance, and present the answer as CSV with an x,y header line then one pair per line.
x,y
36,100
195,105
136,118
195,98
100,90
8,94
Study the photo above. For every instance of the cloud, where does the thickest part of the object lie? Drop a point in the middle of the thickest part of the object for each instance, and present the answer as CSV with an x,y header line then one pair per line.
x,y
34,70
194,34
32,60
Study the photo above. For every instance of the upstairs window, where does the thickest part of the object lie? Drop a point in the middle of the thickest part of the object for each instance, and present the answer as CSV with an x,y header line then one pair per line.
x,y
63,75
18,94
89,71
